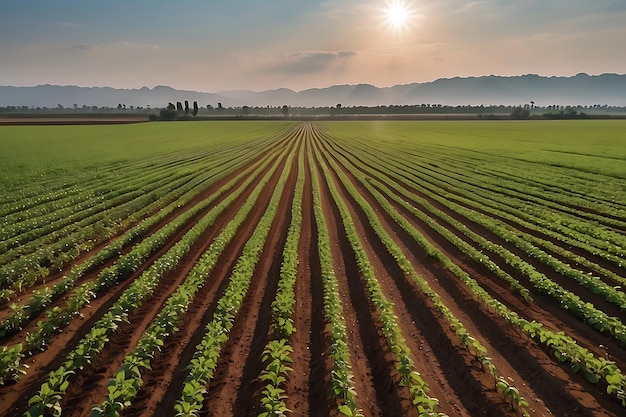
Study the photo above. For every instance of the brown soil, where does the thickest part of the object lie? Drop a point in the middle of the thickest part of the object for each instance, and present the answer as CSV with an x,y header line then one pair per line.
x,y
462,386
53,121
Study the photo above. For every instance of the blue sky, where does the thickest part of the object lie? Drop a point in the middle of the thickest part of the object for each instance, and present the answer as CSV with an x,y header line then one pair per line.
x,y
216,45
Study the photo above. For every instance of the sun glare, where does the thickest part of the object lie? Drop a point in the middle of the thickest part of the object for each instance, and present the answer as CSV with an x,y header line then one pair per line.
x,y
398,15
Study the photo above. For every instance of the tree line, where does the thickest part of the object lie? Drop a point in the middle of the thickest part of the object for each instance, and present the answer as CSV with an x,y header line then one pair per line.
x,y
184,111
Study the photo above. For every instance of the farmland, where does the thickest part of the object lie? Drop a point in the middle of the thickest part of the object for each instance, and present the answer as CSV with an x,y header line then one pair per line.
x,y
467,268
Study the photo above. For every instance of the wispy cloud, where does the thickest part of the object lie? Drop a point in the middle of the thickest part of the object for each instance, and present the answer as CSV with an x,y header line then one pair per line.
x,y
308,61
300,44
80,47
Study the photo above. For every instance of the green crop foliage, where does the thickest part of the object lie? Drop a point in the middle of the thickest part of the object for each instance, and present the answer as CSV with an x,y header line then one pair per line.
x,y
531,211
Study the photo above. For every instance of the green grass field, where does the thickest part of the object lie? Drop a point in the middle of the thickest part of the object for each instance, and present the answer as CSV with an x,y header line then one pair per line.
x,y
33,153
596,145
30,154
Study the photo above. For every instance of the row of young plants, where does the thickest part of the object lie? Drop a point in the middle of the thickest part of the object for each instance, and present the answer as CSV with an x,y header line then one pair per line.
x,y
597,370
276,355
567,300
562,200
41,298
41,198
570,258
71,218
491,203
466,248
600,237
51,250
34,267
554,183
26,271
341,376
217,332
390,329
58,318
157,173
48,400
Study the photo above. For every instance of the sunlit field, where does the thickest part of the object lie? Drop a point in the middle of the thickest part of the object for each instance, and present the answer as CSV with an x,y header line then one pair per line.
x,y
330,268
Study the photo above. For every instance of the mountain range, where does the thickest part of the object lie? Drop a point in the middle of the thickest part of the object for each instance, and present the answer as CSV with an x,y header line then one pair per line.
x,y
583,89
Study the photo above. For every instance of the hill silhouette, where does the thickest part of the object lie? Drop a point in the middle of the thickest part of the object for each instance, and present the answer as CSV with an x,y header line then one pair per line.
x,y
583,89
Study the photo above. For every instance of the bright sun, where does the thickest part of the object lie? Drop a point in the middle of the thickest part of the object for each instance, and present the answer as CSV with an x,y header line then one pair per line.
x,y
398,15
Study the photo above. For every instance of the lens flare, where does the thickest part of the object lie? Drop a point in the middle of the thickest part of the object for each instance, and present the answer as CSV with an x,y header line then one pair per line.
x,y
398,15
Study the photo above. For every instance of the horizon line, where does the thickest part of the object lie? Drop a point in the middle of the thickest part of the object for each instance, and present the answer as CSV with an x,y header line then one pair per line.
x,y
320,88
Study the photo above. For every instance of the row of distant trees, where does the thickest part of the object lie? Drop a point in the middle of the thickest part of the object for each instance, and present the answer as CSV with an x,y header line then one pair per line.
x,y
517,112
173,112
183,110
180,112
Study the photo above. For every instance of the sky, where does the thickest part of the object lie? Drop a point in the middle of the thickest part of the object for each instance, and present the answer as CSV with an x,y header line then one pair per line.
x,y
220,45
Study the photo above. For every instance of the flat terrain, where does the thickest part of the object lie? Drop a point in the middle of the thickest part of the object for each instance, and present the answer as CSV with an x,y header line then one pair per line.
x,y
485,259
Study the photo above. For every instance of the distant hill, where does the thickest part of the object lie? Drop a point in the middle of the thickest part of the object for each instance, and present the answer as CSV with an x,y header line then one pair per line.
x,y
609,89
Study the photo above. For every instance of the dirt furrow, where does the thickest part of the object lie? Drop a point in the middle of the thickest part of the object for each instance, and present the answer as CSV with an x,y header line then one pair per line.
x,y
306,342
370,358
235,386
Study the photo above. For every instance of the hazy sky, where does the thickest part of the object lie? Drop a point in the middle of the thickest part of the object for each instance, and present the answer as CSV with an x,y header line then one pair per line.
x,y
214,45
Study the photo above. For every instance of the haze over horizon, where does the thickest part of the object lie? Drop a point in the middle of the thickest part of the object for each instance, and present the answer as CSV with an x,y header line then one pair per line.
x,y
217,46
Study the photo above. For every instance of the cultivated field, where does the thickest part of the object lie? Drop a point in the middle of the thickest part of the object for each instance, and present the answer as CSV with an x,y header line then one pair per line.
x,y
331,268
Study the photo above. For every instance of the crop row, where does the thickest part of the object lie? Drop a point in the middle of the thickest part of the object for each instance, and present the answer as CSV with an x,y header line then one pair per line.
x,y
568,300
563,347
41,298
58,318
405,366
342,378
217,332
276,355
52,391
